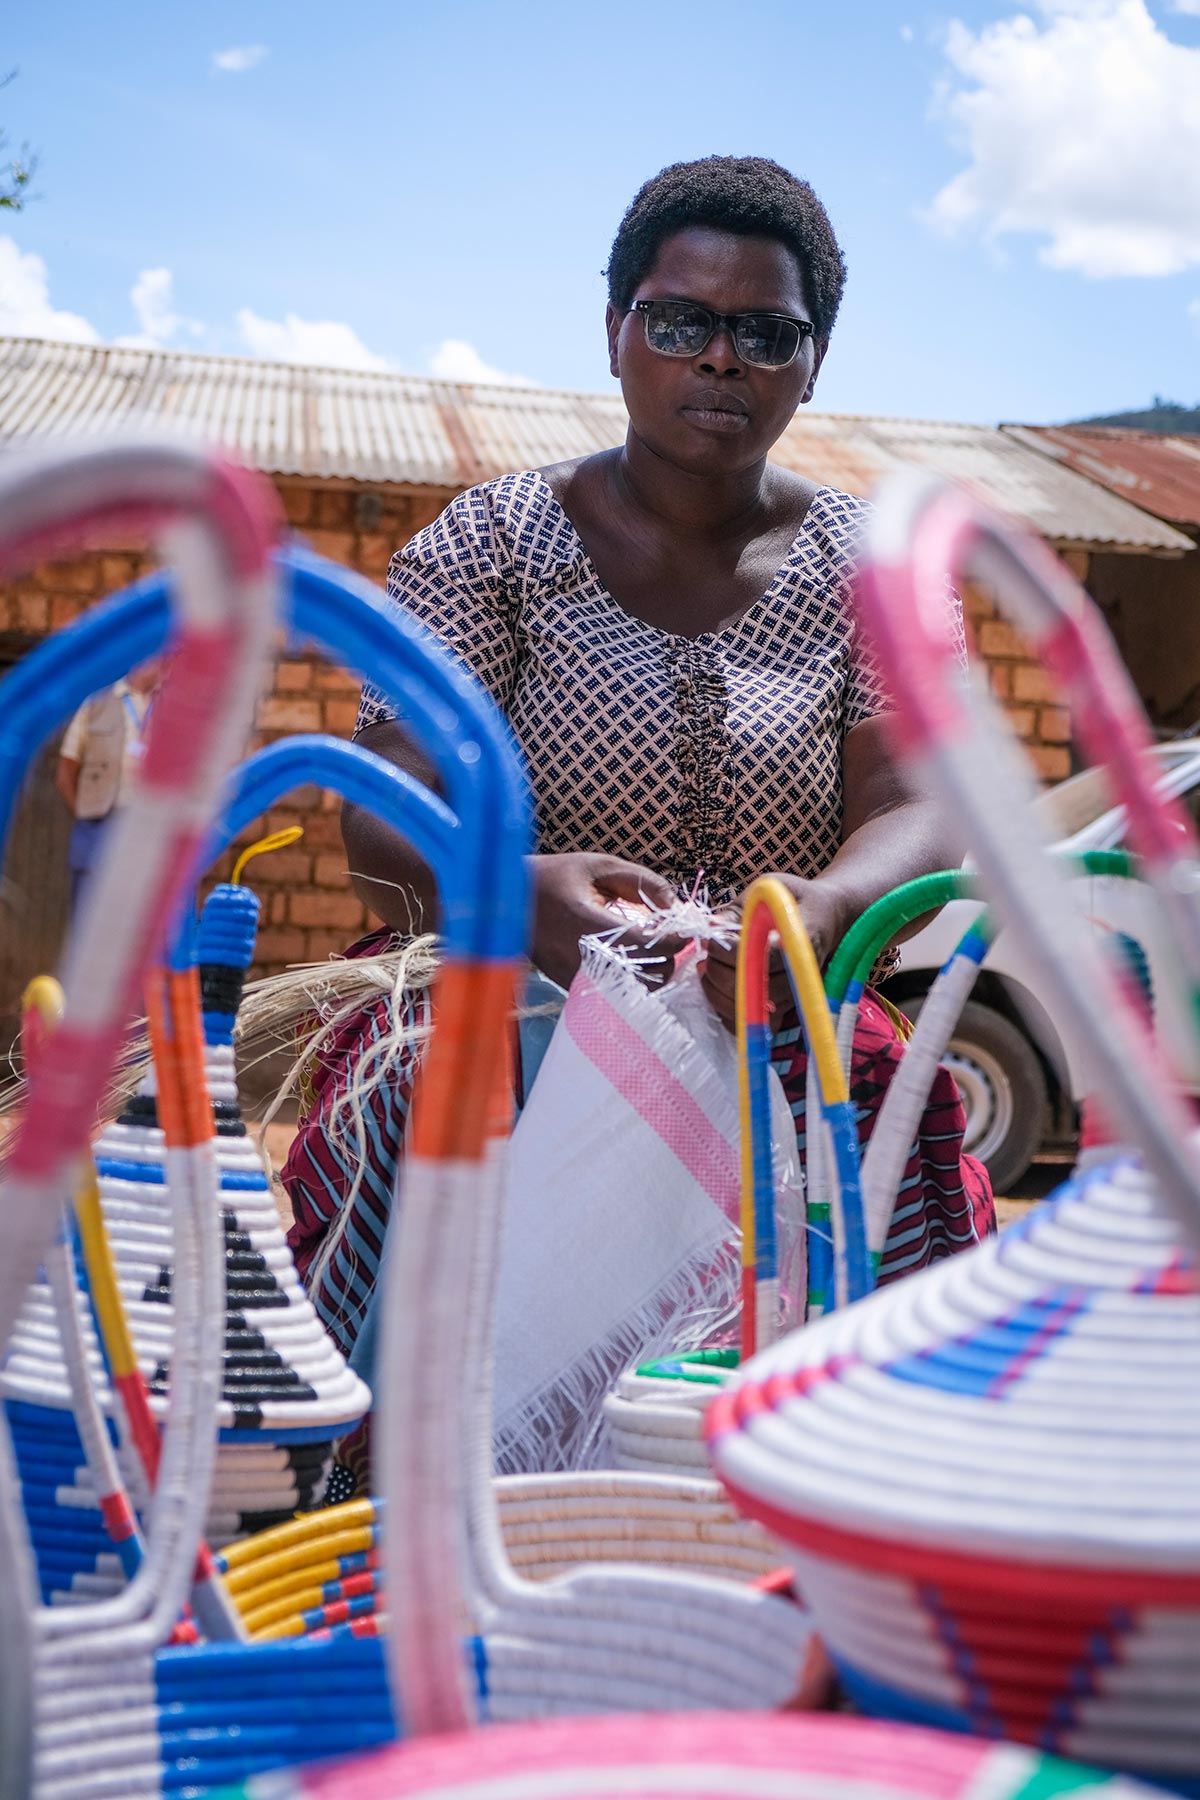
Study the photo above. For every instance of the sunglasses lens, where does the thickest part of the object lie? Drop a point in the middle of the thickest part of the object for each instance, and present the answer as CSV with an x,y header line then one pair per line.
x,y
766,340
677,329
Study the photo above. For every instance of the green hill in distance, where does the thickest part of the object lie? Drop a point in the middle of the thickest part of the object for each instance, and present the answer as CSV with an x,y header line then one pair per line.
x,y
1162,415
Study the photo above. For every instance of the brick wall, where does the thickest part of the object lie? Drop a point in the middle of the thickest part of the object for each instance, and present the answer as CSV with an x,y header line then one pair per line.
x,y
309,907
1018,679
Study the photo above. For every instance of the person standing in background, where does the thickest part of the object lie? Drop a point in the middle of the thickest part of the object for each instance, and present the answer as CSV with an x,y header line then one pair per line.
x,y
101,748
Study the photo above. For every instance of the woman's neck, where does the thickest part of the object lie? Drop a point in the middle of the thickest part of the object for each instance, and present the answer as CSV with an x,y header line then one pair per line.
x,y
698,505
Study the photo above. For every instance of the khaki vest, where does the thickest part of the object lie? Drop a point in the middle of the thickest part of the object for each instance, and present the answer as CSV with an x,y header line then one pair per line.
x,y
103,756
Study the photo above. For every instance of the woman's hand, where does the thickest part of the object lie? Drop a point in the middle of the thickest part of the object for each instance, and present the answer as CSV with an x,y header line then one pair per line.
x,y
572,900
824,915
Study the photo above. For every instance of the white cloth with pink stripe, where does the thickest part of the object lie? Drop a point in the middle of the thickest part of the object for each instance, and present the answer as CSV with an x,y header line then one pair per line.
x,y
621,1238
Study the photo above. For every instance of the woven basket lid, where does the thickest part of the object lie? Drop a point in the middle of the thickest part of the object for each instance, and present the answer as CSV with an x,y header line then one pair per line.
x,y
699,1757
1025,1414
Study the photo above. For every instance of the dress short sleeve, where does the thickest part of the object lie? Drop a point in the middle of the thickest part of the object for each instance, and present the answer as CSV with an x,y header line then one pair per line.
x,y
867,691
453,577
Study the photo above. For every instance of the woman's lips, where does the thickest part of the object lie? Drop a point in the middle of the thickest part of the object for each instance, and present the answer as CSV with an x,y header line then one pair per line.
x,y
710,417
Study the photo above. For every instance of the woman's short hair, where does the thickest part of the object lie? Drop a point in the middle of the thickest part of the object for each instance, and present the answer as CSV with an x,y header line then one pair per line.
x,y
750,196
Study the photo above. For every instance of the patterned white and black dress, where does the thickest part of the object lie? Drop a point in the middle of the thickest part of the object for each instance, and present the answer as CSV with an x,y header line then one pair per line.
x,y
716,758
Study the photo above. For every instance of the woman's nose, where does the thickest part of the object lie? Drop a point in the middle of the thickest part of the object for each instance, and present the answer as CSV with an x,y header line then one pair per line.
x,y
719,356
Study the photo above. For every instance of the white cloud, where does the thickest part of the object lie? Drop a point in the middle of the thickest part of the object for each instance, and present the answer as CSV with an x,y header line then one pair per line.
x,y
152,300
1083,128
906,32
25,309
456,360
1186,6
239,58
326,342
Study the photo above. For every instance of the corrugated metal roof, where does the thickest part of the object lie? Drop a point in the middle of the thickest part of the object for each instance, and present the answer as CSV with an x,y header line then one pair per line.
x,y
1158,472
341,424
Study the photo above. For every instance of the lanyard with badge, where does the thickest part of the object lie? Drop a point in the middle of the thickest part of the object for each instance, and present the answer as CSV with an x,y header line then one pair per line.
x,y
135,747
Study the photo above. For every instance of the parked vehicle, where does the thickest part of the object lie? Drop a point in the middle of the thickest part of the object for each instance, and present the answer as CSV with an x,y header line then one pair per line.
x,y
1017,1080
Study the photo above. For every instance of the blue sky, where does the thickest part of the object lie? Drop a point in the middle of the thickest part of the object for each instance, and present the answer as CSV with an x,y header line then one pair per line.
x,y
435,187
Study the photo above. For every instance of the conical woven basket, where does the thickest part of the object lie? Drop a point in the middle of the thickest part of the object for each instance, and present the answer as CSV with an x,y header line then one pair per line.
x,y
287,1390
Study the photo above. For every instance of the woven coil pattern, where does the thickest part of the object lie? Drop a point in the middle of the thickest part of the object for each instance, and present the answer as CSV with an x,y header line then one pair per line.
x,y
286,1389
988,1476
725,1757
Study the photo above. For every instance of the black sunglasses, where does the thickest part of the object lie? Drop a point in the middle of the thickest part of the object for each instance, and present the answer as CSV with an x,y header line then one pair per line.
x,y
683,328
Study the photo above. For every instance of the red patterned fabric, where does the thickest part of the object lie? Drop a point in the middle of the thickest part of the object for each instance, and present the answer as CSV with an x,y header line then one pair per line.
x,y
944,1202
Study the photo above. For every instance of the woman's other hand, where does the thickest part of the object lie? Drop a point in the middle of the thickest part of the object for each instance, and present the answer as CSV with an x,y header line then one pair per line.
x,y
573,899
824,916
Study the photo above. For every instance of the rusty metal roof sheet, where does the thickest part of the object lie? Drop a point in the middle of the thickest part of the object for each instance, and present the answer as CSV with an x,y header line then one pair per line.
x,y
369,427
1158,472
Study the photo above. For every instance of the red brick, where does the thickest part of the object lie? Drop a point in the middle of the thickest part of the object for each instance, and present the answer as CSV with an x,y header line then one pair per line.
x,y
340,716
79,577
1022,720
330,871
30,611
323,831
298,505
334,507
293,677
304,801
290,868
337,545
1000,677
278,714
1078,561
281,946
1054,725
325,910
978,602
279,818
323,944
1051,764
374,552
275,906
63,610
1032,682
335,681
998,639
117,571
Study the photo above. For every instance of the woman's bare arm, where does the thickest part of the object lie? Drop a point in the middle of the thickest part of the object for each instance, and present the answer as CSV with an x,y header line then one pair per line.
x,y
387,873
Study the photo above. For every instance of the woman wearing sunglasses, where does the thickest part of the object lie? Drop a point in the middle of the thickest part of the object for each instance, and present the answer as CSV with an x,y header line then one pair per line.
x,y
668,627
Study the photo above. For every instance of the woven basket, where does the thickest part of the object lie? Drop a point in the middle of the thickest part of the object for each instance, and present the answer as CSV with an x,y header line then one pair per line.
x,y
115,1713
989,1472
287,1390
708,1758
316,1573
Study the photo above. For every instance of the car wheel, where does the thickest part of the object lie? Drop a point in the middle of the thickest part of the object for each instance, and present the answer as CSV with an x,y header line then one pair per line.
x,y
1003,1088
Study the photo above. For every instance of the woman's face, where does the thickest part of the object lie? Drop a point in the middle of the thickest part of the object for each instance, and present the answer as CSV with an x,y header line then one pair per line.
x,y
713,413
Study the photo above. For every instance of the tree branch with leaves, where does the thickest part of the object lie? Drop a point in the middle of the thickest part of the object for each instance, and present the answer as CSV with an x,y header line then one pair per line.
x,y
18,171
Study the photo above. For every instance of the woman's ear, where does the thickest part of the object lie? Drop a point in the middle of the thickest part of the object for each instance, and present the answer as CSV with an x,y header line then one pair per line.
x,y
613,321
818,359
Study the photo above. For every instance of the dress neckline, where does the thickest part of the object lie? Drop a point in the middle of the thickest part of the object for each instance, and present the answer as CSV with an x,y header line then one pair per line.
x,y
683,637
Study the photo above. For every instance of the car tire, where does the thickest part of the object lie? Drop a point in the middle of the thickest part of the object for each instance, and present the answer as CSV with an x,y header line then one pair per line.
x,y
1003,1086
